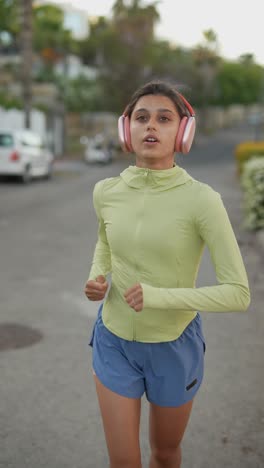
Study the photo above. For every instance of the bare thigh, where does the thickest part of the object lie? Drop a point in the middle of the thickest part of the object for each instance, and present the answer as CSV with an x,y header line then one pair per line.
x,y
167,426
121,421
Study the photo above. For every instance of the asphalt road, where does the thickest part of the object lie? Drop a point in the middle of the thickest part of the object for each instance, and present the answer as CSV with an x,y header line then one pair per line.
x,y
48,407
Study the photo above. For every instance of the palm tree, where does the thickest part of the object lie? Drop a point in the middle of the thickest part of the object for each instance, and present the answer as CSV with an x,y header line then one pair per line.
x,y
26,56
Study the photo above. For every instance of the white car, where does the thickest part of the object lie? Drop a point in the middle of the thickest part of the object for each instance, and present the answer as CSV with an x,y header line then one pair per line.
x,y
23,155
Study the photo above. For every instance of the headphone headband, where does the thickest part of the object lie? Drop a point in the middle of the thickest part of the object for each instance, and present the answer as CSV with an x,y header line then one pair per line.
x,y
188,105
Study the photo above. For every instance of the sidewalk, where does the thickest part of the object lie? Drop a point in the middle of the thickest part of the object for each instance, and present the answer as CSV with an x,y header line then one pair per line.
x,y
69,165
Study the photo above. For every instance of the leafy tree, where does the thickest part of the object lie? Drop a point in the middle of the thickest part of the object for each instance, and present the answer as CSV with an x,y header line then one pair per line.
x,y
9,22
89,48
125,52
9,102
119,48
206,63
211,40
50,38
239,83
171,63
81,94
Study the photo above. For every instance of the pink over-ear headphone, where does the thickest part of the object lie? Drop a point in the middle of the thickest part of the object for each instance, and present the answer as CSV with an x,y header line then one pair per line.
x,y
184,137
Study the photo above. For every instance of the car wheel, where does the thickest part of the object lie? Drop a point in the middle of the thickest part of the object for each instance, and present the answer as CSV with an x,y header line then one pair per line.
x,y
26,177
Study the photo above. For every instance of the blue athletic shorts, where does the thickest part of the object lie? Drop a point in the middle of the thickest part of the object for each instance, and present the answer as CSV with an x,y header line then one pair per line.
x,y
170,373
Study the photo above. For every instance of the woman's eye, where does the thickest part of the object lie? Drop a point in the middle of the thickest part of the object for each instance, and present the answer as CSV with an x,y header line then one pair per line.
x,y
144,118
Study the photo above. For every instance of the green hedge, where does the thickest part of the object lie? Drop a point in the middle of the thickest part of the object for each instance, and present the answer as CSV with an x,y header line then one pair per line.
x,y
245,151
252,182
10,102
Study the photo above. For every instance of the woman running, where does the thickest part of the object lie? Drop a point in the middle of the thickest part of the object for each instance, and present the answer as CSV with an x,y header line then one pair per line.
x,y
154,223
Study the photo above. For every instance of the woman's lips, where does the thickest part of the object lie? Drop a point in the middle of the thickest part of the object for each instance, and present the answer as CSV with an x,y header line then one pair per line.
x,y
150,140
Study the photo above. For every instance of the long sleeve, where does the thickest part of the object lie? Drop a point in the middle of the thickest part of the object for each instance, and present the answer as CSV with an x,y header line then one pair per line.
x,y
101,263
232,293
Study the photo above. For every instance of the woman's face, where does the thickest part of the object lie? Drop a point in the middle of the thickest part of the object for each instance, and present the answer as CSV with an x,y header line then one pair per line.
x,y
153,125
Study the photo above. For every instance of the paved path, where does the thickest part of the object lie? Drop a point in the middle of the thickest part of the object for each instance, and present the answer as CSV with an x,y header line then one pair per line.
x,y
48,408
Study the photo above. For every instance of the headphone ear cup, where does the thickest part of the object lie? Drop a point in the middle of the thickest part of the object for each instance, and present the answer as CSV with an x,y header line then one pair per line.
x,y
188,135
180,134
185,135
121,132
124,133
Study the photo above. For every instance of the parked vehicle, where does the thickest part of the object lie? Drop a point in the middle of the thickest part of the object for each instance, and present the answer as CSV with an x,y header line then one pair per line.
x,y
97,150
24,155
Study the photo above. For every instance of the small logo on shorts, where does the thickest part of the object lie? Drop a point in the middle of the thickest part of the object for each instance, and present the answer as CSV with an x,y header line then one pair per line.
x,y
191,384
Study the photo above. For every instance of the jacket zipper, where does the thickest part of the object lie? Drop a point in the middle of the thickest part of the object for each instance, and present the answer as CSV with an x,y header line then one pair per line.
x,y
138,228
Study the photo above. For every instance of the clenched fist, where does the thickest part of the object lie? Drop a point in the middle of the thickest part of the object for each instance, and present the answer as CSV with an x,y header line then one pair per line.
x,y
95,290
134,297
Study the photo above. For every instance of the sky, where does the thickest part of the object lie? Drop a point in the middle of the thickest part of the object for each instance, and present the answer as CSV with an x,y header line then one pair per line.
x,y
237,24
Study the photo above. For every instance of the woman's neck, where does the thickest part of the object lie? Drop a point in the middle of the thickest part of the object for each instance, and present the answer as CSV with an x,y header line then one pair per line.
x,y
155,165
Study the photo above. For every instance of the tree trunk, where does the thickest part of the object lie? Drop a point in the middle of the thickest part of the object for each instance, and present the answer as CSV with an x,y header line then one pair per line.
x,y
26,56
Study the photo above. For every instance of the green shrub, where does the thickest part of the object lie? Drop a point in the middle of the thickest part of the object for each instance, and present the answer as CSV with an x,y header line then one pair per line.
x,y
10,102
252,182
246,150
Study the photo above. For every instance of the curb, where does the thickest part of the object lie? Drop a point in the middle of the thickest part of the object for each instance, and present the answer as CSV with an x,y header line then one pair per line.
x,y
69,166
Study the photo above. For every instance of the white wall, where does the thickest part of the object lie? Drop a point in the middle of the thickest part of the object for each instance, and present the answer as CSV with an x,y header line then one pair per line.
x,y
14,118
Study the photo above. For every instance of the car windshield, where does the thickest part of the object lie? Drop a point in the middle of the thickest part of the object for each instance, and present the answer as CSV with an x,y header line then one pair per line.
x,y
6,140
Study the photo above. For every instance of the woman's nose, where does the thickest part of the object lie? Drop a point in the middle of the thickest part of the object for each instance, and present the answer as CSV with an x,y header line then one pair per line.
x,y
151,125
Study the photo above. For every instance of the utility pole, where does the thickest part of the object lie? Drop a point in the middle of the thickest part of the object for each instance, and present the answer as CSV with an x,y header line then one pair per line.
x,y
26,56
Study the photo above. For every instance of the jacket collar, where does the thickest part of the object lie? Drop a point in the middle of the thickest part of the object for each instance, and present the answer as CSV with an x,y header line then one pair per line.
x,y
138,177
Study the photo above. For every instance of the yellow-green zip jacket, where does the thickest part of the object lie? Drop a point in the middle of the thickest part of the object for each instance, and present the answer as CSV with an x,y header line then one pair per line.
x,y
153,227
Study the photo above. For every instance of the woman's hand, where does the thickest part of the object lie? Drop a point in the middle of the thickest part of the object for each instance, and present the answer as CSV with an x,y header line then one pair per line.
x,y
95,290
134,297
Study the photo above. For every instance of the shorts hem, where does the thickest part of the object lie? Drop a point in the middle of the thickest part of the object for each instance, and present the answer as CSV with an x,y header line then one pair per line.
x,y
169,404
115,390
175,405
